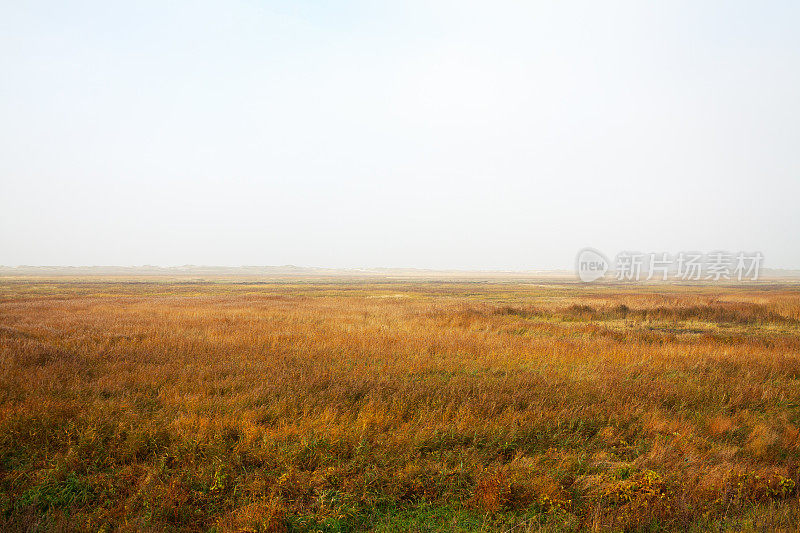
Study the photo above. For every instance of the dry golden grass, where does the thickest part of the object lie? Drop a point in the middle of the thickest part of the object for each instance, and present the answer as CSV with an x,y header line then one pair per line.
x,y
339,406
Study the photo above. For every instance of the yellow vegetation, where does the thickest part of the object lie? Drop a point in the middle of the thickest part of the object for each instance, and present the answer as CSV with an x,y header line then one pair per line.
x,y
342,405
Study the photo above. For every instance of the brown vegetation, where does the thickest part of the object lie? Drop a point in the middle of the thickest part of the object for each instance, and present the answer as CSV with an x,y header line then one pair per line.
x,y
338,406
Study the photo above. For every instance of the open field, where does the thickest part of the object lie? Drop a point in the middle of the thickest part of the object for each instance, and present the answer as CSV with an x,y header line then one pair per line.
x,y
308,405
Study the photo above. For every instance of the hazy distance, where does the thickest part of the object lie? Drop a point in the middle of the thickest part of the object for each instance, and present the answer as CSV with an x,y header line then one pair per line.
x,y
444,135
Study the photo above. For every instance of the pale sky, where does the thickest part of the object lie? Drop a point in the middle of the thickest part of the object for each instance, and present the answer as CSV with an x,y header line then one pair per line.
x,y
471,135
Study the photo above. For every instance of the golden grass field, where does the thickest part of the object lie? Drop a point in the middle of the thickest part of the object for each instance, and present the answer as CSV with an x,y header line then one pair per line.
x,y
369,405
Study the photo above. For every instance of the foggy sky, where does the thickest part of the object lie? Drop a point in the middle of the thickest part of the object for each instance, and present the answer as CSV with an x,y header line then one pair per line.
x,y
494,135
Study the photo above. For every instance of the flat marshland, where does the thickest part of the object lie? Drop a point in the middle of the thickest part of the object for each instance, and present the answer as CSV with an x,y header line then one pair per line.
x,y
367,405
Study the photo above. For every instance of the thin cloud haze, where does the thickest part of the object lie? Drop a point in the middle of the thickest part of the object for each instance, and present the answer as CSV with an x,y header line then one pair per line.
x,y
413,134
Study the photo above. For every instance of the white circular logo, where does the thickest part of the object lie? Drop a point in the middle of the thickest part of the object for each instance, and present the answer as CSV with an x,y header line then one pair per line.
x,y
591,265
